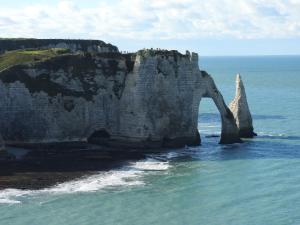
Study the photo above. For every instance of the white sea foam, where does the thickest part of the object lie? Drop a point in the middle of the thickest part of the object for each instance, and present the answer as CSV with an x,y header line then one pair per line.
x,y
10,196
150,165
8,201
130,175
173,154
271,134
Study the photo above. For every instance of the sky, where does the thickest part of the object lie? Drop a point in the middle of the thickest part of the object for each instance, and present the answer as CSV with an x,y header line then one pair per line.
x,y
209,27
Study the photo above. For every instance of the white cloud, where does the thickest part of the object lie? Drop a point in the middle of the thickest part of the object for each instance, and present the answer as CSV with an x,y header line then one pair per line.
x,y
155,19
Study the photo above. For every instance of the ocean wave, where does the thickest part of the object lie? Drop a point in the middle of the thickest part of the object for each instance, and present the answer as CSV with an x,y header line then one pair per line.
x,y
130,175
277,136
170,155
11,196
151,165
8,201
270,134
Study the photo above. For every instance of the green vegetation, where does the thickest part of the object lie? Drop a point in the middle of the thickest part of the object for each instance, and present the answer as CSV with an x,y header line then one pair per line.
x,y
17,57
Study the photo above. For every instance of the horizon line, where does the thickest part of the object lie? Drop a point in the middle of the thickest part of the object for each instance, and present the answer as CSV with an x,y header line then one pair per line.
x,y
252,55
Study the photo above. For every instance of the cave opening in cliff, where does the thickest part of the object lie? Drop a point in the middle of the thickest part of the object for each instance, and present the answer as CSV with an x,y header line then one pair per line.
x,y
209,119
99,136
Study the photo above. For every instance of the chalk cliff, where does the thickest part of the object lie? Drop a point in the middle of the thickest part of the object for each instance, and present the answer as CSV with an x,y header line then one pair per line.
x,y
145,99
240,109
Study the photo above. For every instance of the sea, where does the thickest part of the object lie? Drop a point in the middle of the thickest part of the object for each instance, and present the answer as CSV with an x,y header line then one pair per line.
x,y
252,183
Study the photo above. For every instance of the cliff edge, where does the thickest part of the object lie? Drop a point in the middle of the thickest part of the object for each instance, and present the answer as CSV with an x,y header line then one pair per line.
x,y
74,45
147,99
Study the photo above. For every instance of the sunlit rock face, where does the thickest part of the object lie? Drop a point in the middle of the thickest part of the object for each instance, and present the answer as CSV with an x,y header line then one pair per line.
x,y
142,100
240,109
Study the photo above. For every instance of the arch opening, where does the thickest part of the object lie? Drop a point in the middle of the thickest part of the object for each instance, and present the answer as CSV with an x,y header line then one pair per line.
x,y
209,119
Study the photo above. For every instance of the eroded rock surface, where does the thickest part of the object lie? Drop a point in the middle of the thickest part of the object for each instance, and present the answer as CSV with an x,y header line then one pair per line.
x,y
240,109
145,99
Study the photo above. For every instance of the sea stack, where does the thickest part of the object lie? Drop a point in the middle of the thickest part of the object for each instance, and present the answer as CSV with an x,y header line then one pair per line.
x,y
240,109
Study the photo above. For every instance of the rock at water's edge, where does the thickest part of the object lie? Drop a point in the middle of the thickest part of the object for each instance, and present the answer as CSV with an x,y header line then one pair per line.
x,y
240,110
4,155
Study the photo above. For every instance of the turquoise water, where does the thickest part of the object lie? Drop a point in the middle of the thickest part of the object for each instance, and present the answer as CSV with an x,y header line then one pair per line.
x,y
257,182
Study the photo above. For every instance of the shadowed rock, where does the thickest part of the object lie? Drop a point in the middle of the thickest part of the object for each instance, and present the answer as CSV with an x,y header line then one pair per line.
x,y
2,146
240,109
4,155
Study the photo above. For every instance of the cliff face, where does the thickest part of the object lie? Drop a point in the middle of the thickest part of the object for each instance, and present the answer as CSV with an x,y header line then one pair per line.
x,y
146,99
65,98
161,98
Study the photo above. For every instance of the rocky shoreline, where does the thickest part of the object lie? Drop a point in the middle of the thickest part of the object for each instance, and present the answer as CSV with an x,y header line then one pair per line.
x,y
75,107
42,167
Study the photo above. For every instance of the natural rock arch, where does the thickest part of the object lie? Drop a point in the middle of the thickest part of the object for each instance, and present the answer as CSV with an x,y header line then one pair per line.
x,y
229,130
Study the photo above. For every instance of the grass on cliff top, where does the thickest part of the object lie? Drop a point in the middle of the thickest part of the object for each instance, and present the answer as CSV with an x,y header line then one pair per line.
x,y
12,58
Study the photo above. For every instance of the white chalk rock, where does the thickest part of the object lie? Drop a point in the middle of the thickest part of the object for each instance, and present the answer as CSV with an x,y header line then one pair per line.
x,y
240,110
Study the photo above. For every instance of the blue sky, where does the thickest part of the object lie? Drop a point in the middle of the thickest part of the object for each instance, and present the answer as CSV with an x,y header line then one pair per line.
x,y
214,27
